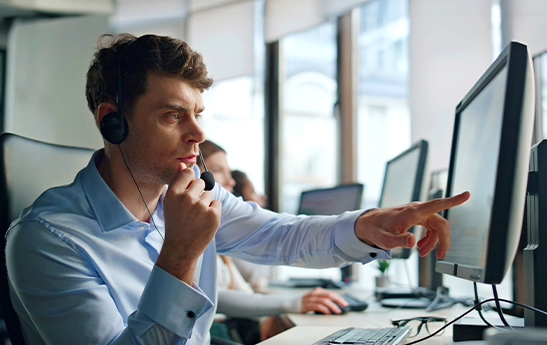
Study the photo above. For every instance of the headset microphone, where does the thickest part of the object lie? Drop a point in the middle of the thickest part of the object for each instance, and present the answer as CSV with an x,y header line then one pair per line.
x,y
206,176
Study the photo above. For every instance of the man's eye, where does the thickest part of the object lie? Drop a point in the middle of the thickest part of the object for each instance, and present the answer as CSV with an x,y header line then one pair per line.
x,y
175,116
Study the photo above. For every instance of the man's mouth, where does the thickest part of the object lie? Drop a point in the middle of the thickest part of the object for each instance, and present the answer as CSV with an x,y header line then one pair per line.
x,y
188,160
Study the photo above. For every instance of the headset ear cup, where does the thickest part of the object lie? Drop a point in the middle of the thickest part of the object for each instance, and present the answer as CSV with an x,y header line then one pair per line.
x,y
114,129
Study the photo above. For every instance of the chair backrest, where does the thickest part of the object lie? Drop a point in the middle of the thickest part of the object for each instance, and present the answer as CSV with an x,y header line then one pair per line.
x,y
27,168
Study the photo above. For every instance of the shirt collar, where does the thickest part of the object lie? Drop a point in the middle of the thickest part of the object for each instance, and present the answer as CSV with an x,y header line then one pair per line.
x,y
111,213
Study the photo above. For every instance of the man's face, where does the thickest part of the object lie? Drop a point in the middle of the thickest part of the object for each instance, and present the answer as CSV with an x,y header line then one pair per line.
x,y
163,130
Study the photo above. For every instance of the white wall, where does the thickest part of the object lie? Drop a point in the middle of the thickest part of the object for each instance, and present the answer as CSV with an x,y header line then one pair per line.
x,y
525,21
450,48
45,83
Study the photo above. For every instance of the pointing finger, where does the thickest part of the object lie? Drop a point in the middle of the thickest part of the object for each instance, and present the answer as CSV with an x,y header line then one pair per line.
x,y
438,205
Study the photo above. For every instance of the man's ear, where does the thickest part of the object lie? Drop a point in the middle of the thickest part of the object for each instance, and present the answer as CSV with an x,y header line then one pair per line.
x,y
105,109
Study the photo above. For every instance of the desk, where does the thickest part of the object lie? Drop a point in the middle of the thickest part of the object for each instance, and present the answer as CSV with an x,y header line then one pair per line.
x,y
309,328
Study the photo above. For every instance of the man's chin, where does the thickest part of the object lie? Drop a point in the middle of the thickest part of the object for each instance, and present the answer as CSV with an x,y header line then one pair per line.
x,y
177,171
191,166
187,165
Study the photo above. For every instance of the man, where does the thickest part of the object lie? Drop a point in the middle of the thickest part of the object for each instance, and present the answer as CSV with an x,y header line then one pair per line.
x,y
118,258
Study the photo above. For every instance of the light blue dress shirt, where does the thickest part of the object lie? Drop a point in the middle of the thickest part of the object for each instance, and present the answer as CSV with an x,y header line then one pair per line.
x,y
82,268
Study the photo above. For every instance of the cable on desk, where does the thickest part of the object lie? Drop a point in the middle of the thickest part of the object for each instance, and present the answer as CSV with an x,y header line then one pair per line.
x,y
478,306
498,306
442,301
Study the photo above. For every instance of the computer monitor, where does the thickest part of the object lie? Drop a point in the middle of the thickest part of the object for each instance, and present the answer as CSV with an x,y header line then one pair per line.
x,y
404,183
429,278
489,158
331,201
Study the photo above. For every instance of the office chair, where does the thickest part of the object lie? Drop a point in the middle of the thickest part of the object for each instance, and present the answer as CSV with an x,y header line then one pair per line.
x,y
27,168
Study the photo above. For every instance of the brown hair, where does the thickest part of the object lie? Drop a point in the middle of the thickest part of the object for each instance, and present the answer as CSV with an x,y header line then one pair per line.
x,y
132,59
242,180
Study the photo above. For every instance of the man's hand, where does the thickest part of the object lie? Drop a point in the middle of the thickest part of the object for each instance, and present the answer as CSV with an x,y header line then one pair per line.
x,y
323,301
192,218
387,228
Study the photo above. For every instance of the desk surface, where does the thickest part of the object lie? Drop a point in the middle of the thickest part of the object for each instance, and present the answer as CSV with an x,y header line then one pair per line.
x,y
309,328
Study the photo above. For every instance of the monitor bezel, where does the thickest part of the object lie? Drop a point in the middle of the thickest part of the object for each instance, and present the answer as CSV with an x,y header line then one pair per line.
x,y
511,175
419,182
358,186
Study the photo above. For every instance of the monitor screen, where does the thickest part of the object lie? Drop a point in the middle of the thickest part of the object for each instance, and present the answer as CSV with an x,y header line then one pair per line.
x,y
331,201
489,158
404,181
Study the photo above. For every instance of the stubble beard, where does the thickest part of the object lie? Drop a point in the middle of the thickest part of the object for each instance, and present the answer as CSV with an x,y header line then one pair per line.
x,y
148,170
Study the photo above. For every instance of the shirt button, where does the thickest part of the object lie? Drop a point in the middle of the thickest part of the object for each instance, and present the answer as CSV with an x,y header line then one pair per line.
x,y
191,314
373,255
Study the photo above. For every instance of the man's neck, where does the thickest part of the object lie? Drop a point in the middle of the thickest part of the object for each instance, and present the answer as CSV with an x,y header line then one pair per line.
x,y
141,201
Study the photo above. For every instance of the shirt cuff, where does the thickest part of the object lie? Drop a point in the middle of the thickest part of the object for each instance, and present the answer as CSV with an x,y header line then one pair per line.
x,y
293,304
347,241
172,303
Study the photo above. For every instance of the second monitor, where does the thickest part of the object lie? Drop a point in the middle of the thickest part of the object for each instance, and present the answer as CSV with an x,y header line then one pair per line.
x,y
331,201
404,181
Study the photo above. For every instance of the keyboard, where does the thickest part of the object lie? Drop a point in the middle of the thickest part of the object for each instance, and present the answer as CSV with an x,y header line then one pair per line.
x,y
370,336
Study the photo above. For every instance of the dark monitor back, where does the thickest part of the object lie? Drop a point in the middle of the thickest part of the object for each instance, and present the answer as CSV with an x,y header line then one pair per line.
x,y
403,183
531,289
331,201
535,253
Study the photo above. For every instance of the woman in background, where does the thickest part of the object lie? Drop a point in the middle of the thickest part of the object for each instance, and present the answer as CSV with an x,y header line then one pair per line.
x,y
256,275
236,297
244,188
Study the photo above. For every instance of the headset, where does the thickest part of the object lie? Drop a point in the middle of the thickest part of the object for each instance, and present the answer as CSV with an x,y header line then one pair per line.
x,y
114,126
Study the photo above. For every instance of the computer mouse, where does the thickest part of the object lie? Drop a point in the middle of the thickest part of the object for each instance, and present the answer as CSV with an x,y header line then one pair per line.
x,y
343,309
354,303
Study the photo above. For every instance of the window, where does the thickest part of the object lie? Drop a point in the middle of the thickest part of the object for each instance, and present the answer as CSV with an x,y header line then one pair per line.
x,y
308,127
234,119
383,118
234,112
